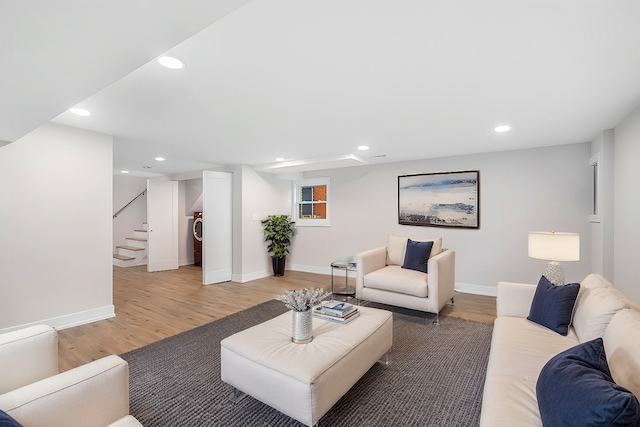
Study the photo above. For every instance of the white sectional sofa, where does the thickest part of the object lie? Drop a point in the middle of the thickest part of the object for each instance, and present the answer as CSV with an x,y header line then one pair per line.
x,y
520,348
33,393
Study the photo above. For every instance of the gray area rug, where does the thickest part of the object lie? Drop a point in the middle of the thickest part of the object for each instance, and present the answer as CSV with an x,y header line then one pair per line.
x,y
435,377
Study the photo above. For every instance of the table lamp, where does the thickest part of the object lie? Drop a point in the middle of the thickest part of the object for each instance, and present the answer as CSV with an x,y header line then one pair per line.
x,y
554,246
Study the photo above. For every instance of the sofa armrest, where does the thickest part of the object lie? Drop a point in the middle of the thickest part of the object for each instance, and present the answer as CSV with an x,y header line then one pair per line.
x,y
368,261
514,299
92,395
27,355
441,277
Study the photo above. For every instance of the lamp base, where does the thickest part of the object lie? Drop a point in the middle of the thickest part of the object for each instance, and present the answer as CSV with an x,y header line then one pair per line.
x,y
554,273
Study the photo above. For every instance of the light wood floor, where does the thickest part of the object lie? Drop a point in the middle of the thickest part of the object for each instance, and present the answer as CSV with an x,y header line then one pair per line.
x,y
153,306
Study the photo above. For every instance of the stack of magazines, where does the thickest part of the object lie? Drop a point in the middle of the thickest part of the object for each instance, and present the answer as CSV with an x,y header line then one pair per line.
x,y
336,311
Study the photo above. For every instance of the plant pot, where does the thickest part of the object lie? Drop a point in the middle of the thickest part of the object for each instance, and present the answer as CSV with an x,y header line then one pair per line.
x,y
301,327
278,265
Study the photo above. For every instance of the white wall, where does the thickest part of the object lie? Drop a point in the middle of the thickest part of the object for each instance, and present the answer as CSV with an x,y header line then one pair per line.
x,y
627,206
520,191
255,195
56,228
193,196
602,239
125,188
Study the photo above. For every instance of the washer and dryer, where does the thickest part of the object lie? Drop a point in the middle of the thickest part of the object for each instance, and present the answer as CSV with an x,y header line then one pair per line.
x,y
197,238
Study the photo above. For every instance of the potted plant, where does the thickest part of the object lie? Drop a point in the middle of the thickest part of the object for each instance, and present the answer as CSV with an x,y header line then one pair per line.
x,y
300,301
278,231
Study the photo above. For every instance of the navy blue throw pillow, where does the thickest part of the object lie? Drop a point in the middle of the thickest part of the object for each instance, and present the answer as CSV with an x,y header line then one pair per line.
x,y
552,305
7,421
575,388
417,255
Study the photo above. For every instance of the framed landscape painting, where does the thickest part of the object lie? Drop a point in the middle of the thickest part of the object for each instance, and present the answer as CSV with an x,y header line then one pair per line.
x,y
444,199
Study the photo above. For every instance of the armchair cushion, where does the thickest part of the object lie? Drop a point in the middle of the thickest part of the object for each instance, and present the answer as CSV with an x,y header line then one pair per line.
x,y
417,255
397,279
397,245
395,249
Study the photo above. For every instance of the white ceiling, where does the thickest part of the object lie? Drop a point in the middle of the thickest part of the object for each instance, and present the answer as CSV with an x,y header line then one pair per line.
x,y
314,79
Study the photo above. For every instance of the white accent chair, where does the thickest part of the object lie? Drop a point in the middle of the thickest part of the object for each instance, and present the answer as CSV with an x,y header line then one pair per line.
x,y
380,277
36,395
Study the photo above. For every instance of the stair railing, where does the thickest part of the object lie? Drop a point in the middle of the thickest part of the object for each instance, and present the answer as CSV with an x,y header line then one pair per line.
x,y
127,205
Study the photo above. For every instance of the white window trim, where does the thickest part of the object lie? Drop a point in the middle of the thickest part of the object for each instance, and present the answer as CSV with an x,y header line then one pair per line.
x,y
295,191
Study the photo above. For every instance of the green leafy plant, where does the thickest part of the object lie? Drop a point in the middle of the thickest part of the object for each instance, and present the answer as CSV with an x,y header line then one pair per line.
x,y
278,231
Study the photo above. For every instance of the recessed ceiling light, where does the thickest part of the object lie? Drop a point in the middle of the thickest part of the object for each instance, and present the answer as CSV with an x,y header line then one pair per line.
x,y
170,62
146,167
363,147
80,112
160,159
279,159
124,171
502,128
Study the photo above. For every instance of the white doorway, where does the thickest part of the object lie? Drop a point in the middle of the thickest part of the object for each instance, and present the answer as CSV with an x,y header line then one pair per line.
x,y
162,221
217,225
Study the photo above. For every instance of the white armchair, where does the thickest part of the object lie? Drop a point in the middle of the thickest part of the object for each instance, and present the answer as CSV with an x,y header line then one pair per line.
x,y
381,278
36,395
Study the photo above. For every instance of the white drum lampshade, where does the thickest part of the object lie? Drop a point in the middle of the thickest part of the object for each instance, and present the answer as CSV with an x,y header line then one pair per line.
x,y
554,246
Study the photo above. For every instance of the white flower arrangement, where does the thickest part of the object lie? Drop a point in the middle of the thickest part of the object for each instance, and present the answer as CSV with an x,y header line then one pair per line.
x,y
302,299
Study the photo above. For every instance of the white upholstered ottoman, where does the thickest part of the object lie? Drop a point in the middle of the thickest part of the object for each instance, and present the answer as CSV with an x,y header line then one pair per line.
x,y
304,381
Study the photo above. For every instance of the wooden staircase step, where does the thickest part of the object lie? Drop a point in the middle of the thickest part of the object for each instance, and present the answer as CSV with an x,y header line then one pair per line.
x,y
137,247
131,248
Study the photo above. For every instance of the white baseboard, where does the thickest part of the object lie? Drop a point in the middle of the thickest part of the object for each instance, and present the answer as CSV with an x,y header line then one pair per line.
x,y
310,269
321,270
490,291
71,320
242,278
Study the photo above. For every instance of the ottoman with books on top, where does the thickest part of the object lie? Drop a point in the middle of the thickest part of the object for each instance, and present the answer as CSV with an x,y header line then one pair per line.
x,y
304,381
